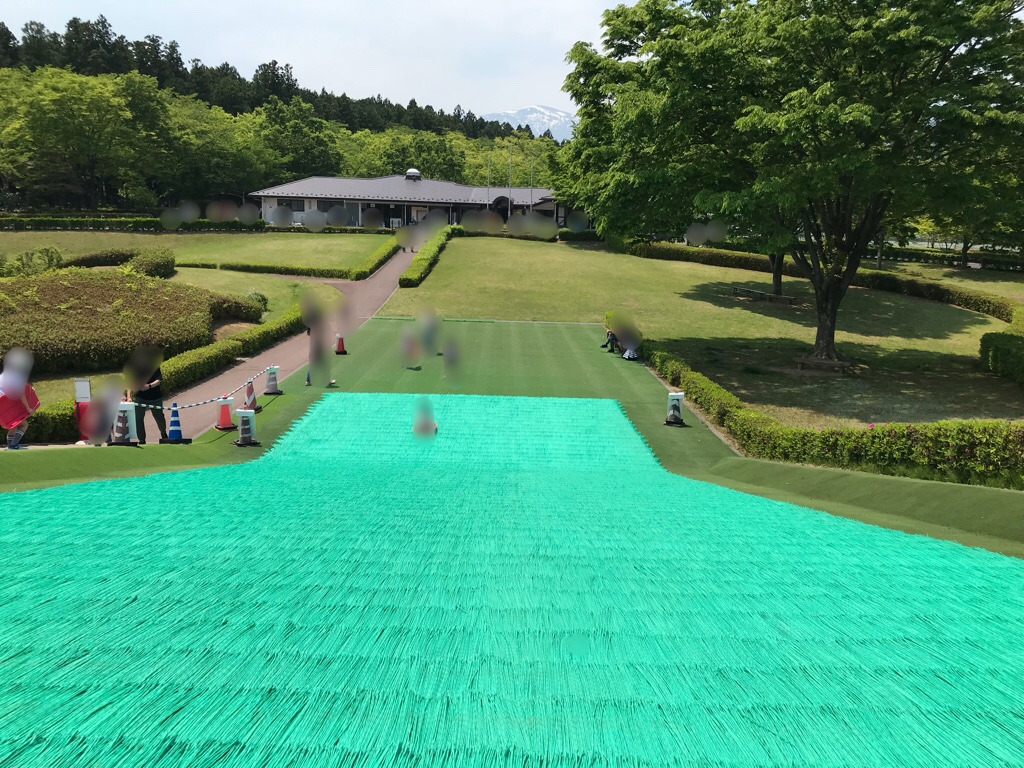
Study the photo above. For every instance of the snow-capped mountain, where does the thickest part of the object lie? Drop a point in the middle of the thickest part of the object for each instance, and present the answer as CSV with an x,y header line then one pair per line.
x,y
540,119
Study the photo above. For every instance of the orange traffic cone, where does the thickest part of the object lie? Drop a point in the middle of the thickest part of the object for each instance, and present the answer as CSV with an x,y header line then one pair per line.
x,y
224,423
340,349
250,398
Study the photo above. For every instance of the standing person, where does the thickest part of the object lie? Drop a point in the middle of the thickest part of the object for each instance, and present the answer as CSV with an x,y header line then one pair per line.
x,y
146,377
14,387
315,318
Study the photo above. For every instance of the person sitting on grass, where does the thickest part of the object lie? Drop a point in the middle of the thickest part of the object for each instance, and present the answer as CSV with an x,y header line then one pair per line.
x,y
611,341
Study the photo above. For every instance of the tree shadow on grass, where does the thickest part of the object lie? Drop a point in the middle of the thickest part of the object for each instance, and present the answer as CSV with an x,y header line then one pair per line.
x,y
886,386
863,312
586,245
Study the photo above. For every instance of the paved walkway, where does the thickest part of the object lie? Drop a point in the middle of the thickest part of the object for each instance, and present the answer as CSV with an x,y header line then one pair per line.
x,y
365,298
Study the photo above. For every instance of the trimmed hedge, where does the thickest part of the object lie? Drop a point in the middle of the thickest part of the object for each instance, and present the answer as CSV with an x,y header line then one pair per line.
x,y
376,260
977,301
155,262
55,422
113,257
256,339
1003,354
88,320
195,365
153,224
242,308
372,263
427,257
333,230
586,236
138,224
52,423
964,451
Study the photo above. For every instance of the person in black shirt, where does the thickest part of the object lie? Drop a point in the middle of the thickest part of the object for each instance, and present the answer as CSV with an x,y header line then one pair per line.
x,y
146,377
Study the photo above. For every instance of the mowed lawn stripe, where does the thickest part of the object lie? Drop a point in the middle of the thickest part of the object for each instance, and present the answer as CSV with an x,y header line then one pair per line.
x,y
917,357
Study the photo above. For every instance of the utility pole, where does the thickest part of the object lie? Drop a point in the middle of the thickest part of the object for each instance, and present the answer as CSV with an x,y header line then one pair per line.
x,y
510,179
532,161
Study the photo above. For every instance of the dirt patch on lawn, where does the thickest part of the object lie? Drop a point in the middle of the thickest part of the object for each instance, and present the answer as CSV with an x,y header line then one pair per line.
x,y
222,329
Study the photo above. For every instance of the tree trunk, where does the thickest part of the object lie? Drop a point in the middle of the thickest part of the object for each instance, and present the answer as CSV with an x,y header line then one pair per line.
x,y
828,299
776,260
881,245
964,250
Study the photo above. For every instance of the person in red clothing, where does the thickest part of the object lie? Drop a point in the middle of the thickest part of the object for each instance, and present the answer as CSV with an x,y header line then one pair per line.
x,y
14,387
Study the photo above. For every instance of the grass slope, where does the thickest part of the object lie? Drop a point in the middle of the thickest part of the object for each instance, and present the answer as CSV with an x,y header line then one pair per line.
x,y
492,597
919,357
292,249
538,359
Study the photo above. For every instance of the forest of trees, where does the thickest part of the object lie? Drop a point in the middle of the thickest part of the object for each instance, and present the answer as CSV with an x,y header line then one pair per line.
x,y
89,121
92,48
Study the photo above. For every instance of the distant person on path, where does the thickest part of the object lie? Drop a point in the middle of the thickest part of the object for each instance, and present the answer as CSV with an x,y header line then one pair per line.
x,y
145,379
15,389
315,317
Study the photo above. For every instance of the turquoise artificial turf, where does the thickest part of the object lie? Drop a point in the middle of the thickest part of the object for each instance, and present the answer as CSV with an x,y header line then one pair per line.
x,y
527,588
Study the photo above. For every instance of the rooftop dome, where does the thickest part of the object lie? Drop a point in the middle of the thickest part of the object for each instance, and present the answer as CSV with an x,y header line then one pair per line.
x,y
412,174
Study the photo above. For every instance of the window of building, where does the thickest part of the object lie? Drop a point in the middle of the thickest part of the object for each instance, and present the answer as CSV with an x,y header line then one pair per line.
x,y
297,206
325,205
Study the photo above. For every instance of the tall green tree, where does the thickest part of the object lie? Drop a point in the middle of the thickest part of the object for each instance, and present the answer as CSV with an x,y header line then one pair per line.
x,y
75,137
302,139
817,118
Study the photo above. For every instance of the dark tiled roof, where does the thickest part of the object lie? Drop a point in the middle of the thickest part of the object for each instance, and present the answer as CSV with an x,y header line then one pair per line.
x,y
399,189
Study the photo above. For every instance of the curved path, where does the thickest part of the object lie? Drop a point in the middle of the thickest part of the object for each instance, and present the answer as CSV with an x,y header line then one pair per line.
x,y
366,297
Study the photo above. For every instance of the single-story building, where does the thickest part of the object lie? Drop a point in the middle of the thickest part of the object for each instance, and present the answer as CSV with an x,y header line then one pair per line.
x,y
403,200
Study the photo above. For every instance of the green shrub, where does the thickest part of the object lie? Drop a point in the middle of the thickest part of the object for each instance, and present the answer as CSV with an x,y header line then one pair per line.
x,y
55,422
334,231
963,451
122,224
86,320
262,336
195,365
426,258
376,260
335,273
34,262
155,262
196,265
587,235
52,423
259,298
241,308
112,257
1003,354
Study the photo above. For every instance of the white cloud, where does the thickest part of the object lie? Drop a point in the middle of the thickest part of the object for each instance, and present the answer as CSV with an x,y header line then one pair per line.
x,y
488,56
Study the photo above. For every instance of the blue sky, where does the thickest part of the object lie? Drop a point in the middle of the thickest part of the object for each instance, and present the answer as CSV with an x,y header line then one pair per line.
x,y
488,56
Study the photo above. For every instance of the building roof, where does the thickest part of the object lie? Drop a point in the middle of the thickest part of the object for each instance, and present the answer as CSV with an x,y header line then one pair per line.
x,y
399,189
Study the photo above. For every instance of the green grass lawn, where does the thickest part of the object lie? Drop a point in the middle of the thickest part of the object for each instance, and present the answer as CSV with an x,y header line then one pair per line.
x,y
1009,284
293,249
536,359
918,358
281,293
